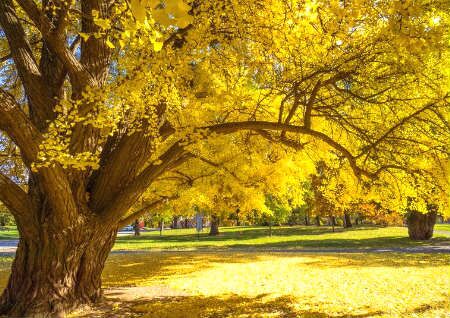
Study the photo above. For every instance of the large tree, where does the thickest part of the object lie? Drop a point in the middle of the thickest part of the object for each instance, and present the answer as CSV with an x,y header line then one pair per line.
x,y
104,97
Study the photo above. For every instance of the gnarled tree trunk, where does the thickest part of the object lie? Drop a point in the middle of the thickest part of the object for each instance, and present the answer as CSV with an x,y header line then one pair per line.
x,y
421,225
214,225
58,270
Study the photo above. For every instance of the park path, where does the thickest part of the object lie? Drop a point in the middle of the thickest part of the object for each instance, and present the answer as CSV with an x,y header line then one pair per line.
x,y
8,248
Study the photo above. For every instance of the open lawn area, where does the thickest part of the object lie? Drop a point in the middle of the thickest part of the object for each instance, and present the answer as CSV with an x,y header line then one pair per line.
x,y
234,274
8,233
224,284
442,227
285,237
192,284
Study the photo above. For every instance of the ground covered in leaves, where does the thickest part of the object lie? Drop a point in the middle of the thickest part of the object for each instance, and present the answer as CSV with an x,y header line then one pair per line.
x,y
192,284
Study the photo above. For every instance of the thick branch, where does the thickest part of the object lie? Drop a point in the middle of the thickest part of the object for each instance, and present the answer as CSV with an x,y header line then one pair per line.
x,y
15,123
14,198
137,214
24,61
124,200
56,41
175,153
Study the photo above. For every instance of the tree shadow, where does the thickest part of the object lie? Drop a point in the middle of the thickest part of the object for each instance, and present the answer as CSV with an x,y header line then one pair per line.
x,y
163,306
237,242
211,307
357,243
245,233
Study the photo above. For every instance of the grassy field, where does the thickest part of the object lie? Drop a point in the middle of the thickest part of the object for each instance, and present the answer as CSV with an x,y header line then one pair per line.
x,y
233,284
296,237
8,233
210,279
442,227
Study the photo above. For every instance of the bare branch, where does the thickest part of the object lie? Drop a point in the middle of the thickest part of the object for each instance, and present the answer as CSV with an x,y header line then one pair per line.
x,y
400,123
137,214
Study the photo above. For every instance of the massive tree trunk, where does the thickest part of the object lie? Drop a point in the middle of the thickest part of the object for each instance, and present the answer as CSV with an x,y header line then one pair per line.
x,y
347,220
421,225
58,270
214,225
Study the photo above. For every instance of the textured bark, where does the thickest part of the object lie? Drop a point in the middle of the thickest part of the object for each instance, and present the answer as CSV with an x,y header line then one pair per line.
x,y
420,225
56,272
214,225
347,220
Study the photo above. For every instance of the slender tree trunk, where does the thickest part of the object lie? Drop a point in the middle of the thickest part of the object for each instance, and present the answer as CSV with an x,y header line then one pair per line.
x,y
175,222
317,220
214,225
57,272
332,221
161,227
420,225
137,228
347,220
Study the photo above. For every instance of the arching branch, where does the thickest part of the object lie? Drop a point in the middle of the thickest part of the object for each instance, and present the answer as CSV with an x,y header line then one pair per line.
x,y
177,154
14,198
15,123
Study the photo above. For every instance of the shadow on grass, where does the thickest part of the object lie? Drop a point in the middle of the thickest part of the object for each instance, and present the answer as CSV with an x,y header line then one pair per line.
x,y
237,233
373,242
283,238
226,306
209,307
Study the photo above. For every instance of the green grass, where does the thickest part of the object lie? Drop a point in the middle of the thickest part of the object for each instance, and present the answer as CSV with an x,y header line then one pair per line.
x,y
8,233
282,238
442,227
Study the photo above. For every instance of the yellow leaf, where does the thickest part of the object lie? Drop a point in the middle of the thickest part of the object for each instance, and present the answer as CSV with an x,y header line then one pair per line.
x,y
138,10
157,46
109,44
84,36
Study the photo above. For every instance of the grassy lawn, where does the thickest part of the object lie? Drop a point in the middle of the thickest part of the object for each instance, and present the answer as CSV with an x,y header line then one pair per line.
x,y
283,238
8,233
213,280
443,227
234,284
226,284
